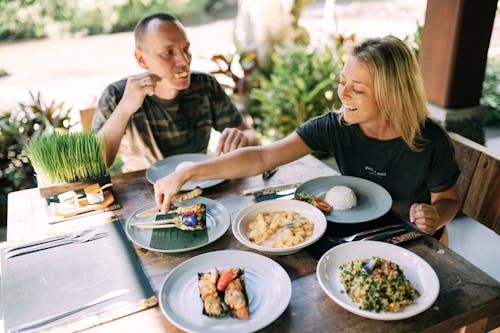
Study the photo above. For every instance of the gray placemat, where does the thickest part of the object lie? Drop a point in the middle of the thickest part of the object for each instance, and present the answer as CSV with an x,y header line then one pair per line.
x,y
55,280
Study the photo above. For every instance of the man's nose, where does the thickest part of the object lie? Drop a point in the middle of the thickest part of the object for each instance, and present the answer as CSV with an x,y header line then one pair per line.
x,y
183,58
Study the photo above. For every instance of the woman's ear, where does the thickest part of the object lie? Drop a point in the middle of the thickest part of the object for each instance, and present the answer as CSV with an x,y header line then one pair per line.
x,y
139,57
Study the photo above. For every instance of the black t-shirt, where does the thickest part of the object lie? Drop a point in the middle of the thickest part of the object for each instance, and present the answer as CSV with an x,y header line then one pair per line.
x,y
409,176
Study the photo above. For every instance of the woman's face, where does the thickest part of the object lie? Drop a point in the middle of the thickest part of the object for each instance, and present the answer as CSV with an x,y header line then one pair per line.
x,y
357,94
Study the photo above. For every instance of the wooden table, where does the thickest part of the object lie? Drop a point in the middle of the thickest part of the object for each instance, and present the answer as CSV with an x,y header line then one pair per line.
x,y
467,295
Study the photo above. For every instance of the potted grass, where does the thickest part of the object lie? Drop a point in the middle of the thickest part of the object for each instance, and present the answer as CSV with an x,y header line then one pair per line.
x,y
65,162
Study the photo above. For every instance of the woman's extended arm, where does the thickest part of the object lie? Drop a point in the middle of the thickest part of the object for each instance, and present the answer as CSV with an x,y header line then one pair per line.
x,y
243,162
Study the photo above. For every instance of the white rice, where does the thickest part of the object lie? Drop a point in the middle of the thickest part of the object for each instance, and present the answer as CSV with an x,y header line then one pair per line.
x,y
341,198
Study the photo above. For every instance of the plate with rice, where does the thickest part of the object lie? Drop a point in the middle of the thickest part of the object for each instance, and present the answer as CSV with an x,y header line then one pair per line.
x,y
402,284
370,200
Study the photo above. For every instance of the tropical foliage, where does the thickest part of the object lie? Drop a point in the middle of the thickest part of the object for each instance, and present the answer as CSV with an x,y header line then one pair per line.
x,y
302,84
25,19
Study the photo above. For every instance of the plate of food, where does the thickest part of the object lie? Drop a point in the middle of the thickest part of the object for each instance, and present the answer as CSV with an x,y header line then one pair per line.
x,y
170,164
189,225
225,291
279,227
353,199
354,275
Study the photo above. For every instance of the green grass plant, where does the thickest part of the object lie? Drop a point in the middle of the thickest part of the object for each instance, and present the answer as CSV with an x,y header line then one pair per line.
x,y
60,158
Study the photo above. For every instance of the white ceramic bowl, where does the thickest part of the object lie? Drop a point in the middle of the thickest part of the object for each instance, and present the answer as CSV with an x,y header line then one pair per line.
x,y
311,213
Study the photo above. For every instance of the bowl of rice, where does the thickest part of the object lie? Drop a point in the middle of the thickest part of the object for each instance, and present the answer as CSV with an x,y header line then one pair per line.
x,y
279,227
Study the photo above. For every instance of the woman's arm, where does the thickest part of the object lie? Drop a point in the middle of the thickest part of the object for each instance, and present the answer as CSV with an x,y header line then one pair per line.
x,y
443,208
243,162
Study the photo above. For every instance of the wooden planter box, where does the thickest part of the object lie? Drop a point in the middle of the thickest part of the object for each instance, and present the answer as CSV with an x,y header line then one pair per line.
x,y
55,189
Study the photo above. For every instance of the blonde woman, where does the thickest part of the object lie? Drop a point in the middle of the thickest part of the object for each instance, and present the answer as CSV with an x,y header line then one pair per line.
x,y
382,133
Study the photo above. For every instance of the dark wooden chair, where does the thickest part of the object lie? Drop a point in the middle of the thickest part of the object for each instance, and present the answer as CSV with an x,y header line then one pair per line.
x,y
479,189
479,181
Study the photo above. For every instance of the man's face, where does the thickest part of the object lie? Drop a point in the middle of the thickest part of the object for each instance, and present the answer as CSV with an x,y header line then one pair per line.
x,y
164,51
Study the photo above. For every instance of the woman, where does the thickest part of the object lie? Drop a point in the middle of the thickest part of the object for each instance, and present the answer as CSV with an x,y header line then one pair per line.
x,y
381,133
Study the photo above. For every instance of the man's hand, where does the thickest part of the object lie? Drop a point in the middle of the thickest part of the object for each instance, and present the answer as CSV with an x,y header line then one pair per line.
x,y
231,139
138,86
425,217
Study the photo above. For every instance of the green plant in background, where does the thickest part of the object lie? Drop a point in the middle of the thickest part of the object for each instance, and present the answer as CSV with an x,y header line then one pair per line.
x,y
491,91
302,84
237,74
415,40
59,158
28,19
17,128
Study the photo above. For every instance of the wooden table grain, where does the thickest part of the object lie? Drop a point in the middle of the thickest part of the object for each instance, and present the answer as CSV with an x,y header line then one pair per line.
x,y
467,295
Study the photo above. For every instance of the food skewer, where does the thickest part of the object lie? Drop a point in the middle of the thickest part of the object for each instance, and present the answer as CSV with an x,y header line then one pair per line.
x,y
177,199
191,218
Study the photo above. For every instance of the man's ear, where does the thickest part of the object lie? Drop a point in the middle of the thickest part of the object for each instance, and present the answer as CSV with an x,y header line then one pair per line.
x,y
139,57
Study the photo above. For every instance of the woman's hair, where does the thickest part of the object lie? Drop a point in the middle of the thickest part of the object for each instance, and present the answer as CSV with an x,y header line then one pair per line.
x,y
398,85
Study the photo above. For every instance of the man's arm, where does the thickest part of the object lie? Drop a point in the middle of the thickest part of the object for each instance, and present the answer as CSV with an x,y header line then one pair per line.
x,y
136,89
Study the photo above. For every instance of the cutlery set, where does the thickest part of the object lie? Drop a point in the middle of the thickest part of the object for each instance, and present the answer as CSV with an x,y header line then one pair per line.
x,y
78,237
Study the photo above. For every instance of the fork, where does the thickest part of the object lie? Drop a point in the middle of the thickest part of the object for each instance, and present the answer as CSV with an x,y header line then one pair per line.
x,y
73,235
90,236
360,235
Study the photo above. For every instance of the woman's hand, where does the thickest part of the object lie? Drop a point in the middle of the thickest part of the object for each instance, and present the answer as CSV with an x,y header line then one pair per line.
x,y
426,217
165,189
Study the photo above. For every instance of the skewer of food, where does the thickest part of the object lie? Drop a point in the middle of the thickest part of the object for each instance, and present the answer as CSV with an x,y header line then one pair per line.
x,y
224,291
190,218
177,199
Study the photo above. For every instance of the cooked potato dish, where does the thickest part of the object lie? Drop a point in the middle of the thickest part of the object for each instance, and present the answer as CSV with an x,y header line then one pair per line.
x,y
279,229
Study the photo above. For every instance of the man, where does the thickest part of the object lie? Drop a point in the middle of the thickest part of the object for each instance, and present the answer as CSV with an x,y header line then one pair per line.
x,y
166,110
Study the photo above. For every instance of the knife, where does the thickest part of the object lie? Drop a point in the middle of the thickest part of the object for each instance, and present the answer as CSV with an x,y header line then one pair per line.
x,y
385,234
271,196
39,324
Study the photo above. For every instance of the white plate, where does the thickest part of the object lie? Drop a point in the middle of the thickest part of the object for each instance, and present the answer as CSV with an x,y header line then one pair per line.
x,y
166,166
311,213
373,200
268,286
218,221
417,271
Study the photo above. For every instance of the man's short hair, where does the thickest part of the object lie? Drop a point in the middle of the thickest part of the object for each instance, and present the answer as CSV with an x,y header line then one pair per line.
x,y
141,27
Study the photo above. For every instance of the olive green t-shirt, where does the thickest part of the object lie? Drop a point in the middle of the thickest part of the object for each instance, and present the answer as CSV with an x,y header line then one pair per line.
x,y
162,128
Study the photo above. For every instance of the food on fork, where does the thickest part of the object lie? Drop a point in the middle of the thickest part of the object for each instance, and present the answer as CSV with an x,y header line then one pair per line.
x,y
180,75
224,291
341,198
319,203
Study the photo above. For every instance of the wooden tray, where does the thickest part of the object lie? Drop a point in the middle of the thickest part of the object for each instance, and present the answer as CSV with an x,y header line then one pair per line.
x,y
58,209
